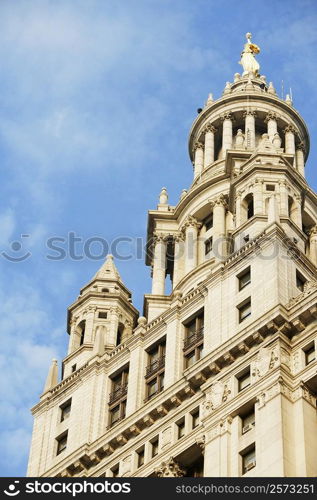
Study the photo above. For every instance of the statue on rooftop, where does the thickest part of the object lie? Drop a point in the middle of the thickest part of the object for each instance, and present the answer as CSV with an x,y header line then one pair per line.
x,y
248,61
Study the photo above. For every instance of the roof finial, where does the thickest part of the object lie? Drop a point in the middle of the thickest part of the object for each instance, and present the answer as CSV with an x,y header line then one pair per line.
x,y
249,63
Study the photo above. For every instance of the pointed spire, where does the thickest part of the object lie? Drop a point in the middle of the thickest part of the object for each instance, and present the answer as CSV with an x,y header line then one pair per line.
x,y
52,377
108,270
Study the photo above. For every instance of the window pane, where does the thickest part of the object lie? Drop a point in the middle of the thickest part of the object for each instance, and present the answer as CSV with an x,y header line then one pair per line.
x,y
310,355
244,381
245,279
65,412
195,417
155,447
244,311
115,414
190,359
249,460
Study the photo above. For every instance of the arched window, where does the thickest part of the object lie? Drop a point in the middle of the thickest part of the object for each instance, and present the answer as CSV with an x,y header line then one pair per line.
x,y
247,207
80,329
120,333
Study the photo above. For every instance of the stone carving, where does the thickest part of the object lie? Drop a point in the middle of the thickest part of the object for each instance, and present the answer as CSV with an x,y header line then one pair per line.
x,y
239,139
198,145
309,287
289,128
220,200
249,112
266,360
277,141
170,468
201,441
270,116
126,466
218,394
227,116
167,437
209,128
190,222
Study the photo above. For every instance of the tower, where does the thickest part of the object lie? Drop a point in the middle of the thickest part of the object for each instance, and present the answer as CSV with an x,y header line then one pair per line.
x,y
218,378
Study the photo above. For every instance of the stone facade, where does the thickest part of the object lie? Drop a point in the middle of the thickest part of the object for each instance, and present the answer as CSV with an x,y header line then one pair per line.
x,y
219,378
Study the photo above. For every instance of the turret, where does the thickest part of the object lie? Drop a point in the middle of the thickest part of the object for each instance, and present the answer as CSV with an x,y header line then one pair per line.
x,y
101,318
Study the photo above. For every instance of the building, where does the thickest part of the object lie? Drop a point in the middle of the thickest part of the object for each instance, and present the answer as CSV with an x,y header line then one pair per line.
x,y
219,377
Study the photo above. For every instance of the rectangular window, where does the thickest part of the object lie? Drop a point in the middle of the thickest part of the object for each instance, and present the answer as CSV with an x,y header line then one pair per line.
x,y
181,428
194,339
140,454
248,459
208,222
61,443
65,410
309,354
270,187
248,422
208,246
244,310
155,447
244,380
118,396
195,419
154,373
300,281
244,278
102,315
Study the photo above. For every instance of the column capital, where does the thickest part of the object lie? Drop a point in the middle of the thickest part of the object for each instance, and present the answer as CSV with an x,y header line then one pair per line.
x,y
221,200
159,237
197,145
249,112
227,116
209,128
289,128
170,468
178,237
300,145
282,182
191,221
312,232
270,116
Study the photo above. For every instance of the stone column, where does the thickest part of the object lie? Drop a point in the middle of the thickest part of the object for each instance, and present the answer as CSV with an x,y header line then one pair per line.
x,y
209,145
219,206
298,203
289,139
199,159
238,209
74,337
300,158
258,197
178,258
191,227
273,211
90,317
249,128
159,265
313,245
283,199
227,119
271,122
113,329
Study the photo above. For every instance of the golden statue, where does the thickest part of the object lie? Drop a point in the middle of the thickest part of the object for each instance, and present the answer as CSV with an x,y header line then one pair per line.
x,y
248,61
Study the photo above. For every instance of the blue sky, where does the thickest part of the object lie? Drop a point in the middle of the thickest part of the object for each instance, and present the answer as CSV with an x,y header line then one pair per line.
x,y
96,101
